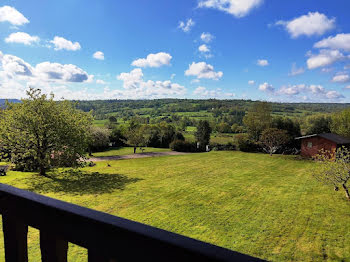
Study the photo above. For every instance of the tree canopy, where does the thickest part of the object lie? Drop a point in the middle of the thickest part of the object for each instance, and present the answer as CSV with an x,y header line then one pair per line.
x,y
40,133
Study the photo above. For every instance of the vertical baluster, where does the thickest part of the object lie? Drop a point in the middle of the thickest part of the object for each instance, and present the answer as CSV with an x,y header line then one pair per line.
x,y
53,249
15,239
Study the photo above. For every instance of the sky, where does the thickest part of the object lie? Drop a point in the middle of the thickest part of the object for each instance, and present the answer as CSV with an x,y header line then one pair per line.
x,y
272,50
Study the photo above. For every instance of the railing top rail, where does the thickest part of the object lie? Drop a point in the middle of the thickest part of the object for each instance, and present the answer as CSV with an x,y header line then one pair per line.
x,y
113,236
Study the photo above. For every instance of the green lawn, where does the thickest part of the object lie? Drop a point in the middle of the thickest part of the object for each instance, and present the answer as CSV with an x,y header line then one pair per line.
x,y
263,206
120,151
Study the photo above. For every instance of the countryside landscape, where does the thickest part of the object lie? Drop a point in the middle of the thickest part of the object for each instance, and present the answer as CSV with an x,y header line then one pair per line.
x,y
213,167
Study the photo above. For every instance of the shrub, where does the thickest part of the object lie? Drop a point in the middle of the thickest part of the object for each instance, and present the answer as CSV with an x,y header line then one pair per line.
x,y
223,147
245,144
183,146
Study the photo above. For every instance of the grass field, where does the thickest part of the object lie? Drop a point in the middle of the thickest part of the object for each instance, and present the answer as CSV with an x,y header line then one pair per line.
x,y
263,206
121,151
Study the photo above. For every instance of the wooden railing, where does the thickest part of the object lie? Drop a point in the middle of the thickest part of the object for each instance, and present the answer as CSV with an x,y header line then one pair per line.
x,y
107,238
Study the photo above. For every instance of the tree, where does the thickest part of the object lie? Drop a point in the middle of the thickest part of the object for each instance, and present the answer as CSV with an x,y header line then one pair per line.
x,y
258,119
341,123
39,132
202,134
113,119
333,168
223,128
134,135
318,124
99,138
272,139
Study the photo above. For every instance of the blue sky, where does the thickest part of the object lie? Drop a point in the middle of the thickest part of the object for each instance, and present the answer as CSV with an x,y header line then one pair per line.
x,y
227,49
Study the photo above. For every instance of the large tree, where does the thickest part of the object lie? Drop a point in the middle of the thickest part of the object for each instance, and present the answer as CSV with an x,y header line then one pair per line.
x,y
40,133
318,124
203,133
258,119
333,168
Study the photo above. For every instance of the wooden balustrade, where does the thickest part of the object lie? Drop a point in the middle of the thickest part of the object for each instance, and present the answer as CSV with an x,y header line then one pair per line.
x,y
108,238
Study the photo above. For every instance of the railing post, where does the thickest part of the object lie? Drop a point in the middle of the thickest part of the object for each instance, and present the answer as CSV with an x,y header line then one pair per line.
x,y
15,239
53,249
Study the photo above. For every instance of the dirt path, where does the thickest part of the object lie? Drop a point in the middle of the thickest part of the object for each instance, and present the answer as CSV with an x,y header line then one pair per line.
x,y
134,156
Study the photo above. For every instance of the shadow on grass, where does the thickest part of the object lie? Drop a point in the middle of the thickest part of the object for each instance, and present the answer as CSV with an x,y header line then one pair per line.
x,y
78,182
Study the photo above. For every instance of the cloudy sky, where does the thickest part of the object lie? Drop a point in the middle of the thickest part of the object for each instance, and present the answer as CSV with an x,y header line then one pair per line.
x,y
228,49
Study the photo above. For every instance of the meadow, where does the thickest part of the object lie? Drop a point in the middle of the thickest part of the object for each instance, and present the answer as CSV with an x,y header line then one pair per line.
x,y
268,207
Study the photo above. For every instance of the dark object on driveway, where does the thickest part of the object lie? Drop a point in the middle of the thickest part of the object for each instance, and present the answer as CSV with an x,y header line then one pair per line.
x,y
3,170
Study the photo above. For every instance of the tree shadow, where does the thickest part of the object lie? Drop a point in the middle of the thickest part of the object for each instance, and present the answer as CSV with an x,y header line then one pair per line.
x,y
78,182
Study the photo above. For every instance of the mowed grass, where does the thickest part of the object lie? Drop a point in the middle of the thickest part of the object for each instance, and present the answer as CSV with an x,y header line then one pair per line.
x,y
120,151
269,207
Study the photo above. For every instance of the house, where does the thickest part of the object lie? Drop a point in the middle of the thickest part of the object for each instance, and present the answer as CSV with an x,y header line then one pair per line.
x,y
312,144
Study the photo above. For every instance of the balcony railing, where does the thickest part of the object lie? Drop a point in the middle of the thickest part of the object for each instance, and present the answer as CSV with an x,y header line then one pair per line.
x,y
107,238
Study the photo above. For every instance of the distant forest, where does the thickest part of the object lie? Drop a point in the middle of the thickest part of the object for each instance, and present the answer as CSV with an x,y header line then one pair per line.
x,y
163,108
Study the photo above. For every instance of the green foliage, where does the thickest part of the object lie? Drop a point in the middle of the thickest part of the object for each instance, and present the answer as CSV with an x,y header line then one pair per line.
x,y
40,133
245,144
333,168
183,146
223,128
341,123
99,138
318,124
258,119
273,139
202,134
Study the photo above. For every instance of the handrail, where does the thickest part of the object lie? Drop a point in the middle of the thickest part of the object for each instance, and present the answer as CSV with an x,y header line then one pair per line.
x,y
107,237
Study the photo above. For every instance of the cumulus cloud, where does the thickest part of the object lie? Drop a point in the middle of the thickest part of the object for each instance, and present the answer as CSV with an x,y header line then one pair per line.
x,y
11,15
262,62
22,38
237,8
340,41
266,87
325,58
309,25
296,70
135,86
341,78
62,43
203,70
153,60
13,66
59,72
216,93
204,49
251,82
292,90
186,26
207,37
99,55
100,82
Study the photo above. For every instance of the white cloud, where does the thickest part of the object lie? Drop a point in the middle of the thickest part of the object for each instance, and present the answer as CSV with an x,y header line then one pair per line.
x,y
13,66
262,62
237,8
172,76
62,43
22,38
296,70
334,95
100,82
309,25
341,78
251,82
153,60
136,87
216,93
207,37
340,41
203,70
347,87
58,72
292,90
195,81
186,26
99,55
266,87
11,15
324,58
204,49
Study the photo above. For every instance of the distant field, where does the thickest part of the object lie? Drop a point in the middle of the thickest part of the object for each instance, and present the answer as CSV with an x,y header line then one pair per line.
x,y
269,207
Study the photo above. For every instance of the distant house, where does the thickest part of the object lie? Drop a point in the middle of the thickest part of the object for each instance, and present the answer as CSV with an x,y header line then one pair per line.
x,y
312,144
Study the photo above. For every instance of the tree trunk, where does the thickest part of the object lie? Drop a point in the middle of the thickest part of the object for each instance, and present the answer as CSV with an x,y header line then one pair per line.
x,y
346,192
42,170
134,149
